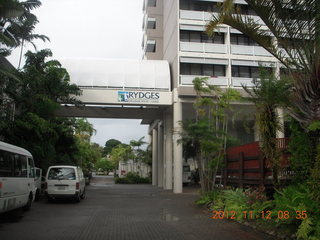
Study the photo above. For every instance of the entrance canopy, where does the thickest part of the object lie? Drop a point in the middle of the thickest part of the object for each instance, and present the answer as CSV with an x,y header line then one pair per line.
x,y
135,89
122,74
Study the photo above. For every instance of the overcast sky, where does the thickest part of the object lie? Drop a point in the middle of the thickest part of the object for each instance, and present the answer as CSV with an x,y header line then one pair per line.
x,y
94,29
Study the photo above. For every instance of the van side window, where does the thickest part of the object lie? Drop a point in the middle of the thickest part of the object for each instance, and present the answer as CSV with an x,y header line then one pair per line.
x,y
20,166
6,164
31,169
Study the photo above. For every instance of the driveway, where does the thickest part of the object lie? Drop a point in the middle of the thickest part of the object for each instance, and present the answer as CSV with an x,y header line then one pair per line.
x,y
113,211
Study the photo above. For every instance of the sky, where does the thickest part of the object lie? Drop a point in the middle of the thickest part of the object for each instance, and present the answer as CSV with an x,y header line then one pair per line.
x,y
94,29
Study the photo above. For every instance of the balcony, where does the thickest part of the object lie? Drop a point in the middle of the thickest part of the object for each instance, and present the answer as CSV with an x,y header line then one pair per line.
x,y
239,81
217,81
206,16
195,15
250,50
203,47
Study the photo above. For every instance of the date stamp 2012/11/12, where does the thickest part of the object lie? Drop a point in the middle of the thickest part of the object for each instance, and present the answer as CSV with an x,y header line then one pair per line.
x,y
268,215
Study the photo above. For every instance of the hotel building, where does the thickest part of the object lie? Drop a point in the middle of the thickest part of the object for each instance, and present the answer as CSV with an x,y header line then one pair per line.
x,y
174,31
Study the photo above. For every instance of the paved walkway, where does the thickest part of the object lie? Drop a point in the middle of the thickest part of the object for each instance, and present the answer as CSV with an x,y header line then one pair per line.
x,y
124,212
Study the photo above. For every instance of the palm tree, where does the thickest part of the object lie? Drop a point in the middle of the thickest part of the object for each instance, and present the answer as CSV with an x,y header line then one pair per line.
x,y
295,29
17,24
9,9
26,25
267,94
138,154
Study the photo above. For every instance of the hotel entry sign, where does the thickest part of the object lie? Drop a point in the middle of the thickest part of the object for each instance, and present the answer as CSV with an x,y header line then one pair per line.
x,y
138,97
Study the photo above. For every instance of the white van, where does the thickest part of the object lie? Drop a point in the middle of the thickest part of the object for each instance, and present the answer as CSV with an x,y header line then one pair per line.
x,y
186,174
64,182
17,187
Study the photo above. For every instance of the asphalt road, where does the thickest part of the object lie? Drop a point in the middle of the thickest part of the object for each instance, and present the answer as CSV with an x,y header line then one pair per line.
x,y
122,212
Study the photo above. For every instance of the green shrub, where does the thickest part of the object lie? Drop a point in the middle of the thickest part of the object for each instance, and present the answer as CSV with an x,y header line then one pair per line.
x,y
300,148
132,178
208,198
295,199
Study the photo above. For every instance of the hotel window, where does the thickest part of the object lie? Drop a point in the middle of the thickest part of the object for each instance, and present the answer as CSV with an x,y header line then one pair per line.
x,y
241,39
152,3
199,6
246,71
202,69
151,46
151,23
197,36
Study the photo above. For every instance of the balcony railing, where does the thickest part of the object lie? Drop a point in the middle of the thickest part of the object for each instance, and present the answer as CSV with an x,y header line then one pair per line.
x,y
218,81
203,47
206,16
249,50
239,81
195,15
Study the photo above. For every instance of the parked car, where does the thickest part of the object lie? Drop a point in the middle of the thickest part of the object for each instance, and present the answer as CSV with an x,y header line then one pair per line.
x,y
65,182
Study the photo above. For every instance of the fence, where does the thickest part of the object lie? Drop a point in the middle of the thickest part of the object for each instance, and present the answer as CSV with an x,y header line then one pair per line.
x,y
245,166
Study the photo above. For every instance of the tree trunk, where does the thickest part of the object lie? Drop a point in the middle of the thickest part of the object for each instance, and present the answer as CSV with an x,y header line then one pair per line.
x,y
21,51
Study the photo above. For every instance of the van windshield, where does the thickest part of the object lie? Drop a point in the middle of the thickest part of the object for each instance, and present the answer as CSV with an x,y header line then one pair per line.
x,y
186,168
62,174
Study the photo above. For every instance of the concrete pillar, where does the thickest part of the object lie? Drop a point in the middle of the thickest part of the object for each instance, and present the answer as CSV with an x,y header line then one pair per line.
x,y
160,154
154,157
168,151
177,148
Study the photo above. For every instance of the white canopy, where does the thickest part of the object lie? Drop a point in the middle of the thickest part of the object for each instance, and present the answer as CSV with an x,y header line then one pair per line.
x,y
119,73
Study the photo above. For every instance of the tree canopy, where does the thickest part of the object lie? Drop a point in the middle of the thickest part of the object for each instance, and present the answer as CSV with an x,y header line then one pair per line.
x,y
109,145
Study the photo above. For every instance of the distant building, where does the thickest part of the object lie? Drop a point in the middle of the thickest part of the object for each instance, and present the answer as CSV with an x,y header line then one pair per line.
x,y
140,168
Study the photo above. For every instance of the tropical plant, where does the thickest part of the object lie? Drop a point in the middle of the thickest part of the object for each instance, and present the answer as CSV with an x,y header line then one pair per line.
x,y
302,210
122,152
105,165
207,134
43,85
17,25
83,129
268,94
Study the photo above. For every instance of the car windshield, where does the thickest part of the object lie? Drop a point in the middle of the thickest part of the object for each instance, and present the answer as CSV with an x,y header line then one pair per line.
x,y
62,174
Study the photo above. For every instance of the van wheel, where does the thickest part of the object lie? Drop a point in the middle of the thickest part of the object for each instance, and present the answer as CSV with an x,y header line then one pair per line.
x,y
29,203
37,195
77,198
83,195
49,199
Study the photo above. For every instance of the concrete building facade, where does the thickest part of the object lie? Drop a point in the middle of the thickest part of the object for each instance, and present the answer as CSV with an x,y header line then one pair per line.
x,y
174,31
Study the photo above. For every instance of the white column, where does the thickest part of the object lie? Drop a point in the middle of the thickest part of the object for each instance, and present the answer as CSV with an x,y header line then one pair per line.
x,y
177,148
154,157
168,150
160,154
229,66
